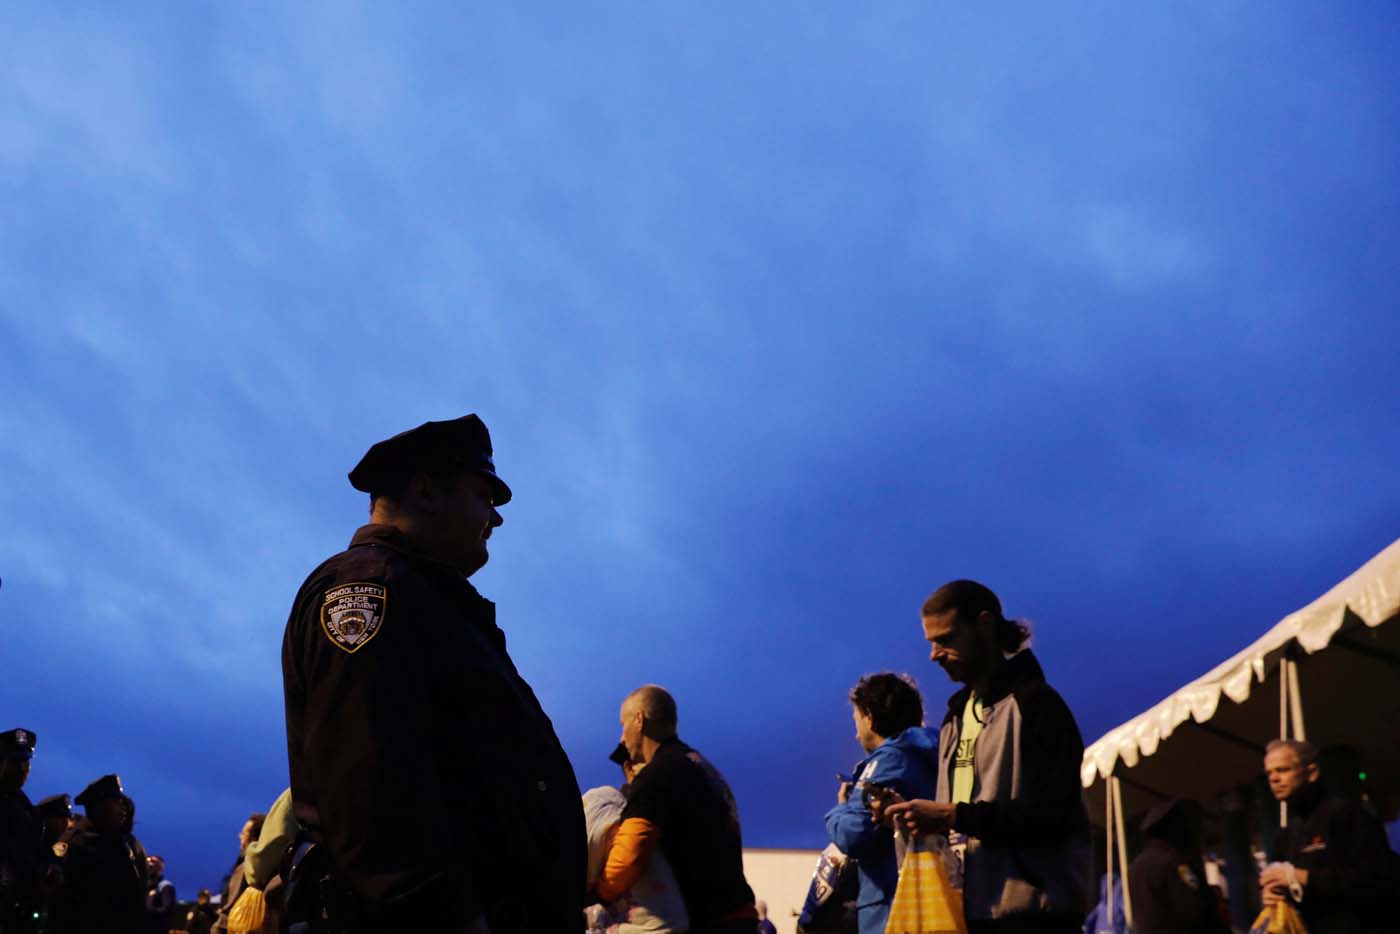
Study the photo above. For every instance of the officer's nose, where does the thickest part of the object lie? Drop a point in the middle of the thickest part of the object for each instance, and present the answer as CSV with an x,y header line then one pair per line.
x,y
496,519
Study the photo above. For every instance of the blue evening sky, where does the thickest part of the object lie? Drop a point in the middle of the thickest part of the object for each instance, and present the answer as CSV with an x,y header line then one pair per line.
x,y
780,314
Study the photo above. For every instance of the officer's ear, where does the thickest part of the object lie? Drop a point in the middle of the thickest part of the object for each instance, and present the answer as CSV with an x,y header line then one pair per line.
x,y
1311,772
424,490
400,492
427,489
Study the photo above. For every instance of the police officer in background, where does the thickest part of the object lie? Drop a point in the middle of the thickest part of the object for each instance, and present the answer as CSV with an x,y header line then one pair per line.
x,y
104,876
55,817
19,835
422,765
56,822
1167,881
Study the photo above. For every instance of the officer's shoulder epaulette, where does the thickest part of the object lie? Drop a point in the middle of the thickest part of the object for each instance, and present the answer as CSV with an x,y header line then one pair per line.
x,y
367,562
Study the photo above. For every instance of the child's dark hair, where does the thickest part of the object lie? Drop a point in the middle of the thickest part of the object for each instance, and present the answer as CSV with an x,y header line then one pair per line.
x,y
891,701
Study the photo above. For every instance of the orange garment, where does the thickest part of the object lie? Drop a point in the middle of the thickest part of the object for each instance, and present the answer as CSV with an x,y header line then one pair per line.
x,y
631,847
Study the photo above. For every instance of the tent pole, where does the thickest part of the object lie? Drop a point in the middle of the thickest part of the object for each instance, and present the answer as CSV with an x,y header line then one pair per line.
x,y
1108,844
1122,853
1283,724
1295,696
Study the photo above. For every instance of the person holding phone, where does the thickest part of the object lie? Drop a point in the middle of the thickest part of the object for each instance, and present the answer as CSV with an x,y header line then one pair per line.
x,y
1008,787
901,756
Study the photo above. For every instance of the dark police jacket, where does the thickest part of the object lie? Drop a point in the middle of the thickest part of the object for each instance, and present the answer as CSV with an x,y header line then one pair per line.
x,y
104,886
437,781
1352,873
1169,892
19,855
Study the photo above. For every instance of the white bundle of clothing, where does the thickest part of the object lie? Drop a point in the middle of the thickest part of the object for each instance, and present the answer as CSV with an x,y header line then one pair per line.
x,y
653,905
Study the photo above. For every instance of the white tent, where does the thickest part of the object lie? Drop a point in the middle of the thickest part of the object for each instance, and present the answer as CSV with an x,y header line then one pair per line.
x,y
1329,672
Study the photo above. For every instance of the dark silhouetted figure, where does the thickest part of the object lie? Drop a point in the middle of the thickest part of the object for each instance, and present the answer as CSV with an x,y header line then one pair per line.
x,y
160,897
1167,881
20,834
104,885
430,780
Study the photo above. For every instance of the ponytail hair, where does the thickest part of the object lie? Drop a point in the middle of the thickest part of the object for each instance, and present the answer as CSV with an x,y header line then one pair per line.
x,y
969,600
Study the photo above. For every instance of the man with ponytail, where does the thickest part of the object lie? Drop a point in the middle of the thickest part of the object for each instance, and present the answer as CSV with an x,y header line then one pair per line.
x,y
1008,777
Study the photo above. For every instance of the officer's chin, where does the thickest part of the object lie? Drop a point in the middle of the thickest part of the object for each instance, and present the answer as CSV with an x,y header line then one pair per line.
x,y
475,560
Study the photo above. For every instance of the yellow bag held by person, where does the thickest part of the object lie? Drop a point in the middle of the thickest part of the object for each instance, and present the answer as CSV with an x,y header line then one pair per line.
x,y
247,914
1279,918
925,901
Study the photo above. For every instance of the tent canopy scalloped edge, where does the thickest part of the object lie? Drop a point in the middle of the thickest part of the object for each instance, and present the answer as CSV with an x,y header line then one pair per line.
x,y
1372,592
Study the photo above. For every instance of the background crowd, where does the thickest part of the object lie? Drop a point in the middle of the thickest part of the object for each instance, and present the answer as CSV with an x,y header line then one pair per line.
x,y
996,777
69,872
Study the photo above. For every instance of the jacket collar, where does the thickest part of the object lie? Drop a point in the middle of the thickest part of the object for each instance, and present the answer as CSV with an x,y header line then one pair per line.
x,y
390,537
1307,799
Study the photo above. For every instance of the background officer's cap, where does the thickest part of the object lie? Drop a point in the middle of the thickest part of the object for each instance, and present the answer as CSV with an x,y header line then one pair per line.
x,y
1167,814
17,744
55,806
108,786
457,443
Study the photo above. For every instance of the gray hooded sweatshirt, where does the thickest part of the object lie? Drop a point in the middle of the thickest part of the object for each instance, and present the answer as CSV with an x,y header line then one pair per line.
x,y
1028,832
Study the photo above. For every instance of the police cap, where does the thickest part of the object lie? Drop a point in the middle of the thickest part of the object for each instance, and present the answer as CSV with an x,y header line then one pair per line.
x,y
1167,816
461,443
17,744
55,806
108,786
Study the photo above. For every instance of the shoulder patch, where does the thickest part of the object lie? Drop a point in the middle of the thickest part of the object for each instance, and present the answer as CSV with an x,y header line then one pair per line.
x,y
1188,876
352,614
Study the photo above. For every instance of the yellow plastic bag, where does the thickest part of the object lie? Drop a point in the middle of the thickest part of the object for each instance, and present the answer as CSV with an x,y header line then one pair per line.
x,y
1280,918
247,914
925,901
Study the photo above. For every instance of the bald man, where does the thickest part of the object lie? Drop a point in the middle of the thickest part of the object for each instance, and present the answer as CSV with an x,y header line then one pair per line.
x,y
680,803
